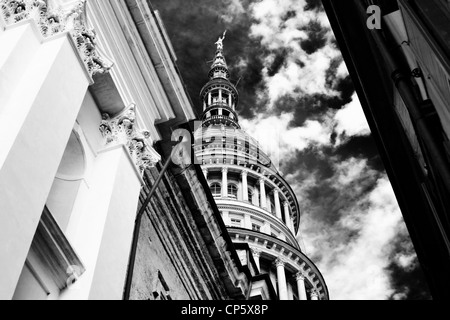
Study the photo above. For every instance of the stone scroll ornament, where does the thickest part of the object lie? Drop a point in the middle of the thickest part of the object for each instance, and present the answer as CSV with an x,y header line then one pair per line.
x,y
52,20
123,130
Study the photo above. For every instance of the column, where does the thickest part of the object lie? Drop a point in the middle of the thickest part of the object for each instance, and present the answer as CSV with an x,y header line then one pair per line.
x,y
276,195
244,175
287,216
301,286
225,182
281,277
262,188
101,226
209,99
220,95
255,198
39,107
314,295
269,204
256,256
230,101
205,173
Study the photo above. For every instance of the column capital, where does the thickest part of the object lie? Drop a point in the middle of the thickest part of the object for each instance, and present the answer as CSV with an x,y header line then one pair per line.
x,y
52,22
225,170
256,252
279,263
314,294
244,173
123,129
286,203
300,276
262,180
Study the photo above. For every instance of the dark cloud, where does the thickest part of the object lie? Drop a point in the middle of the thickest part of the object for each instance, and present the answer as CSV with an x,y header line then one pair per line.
x,y
313,5
289,15
308,107
327,201
251,82
193,27
317,37
344,86
408,282
278,61
309,160
330,74
361,147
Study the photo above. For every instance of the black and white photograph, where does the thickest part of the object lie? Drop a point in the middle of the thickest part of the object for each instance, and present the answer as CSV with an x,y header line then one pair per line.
x,y
225,154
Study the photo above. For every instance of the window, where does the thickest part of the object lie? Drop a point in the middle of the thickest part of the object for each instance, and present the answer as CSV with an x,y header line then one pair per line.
x,y
256,227
216,190
236,222
275,233
232,191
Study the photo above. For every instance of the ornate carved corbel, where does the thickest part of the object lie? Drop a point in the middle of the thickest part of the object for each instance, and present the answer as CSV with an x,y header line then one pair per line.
x,y
122,129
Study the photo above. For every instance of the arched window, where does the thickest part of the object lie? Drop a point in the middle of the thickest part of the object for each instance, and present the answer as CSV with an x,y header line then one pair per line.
x,y
232,191
216,190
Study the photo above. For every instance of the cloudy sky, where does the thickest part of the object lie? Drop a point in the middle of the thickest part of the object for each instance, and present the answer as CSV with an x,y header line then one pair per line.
x,y
298,100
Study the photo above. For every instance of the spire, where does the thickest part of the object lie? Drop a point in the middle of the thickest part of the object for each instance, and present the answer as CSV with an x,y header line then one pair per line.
x,y
219,95
219,68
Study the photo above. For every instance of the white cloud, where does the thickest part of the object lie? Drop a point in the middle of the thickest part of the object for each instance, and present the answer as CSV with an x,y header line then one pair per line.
x,y
351,119
355,270
349,171
233,10
352,244
309,77
280,141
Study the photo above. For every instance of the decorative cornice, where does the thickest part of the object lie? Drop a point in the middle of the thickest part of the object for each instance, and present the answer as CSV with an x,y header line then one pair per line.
x,y
123,130
53,21
258,213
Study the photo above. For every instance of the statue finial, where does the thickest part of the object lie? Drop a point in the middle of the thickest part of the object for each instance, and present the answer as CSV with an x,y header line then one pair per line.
x,y
220,41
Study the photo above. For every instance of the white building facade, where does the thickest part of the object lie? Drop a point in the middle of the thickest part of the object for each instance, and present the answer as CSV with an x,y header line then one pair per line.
x,y
83,85
257,205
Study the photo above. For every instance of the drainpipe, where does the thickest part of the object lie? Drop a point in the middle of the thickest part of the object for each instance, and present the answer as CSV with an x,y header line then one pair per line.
x,y
413,106
137,228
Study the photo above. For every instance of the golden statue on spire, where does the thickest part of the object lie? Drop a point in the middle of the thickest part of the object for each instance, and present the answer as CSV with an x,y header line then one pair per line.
x,y
220,41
